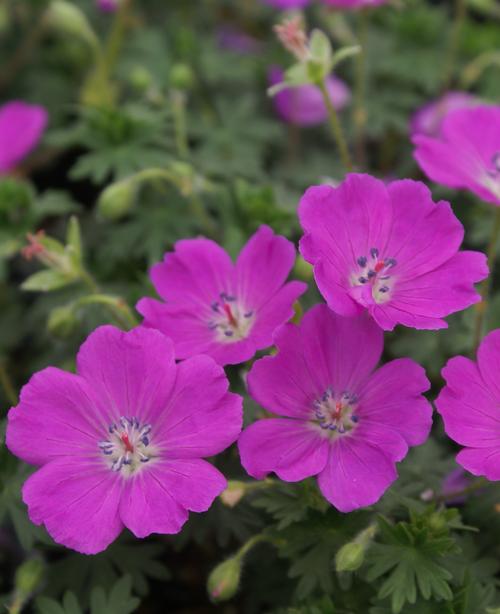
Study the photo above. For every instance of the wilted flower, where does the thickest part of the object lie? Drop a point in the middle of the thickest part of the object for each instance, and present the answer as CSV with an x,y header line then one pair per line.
x,y
21,128
338,418
467,152
120,443
215,307
428,120
390,250
304,105
469,406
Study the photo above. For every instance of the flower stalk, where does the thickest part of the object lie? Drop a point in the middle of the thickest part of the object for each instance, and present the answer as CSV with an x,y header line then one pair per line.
x,y
336,128
360,115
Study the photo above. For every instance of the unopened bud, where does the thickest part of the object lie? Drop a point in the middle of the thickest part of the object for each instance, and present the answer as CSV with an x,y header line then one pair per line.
x,y
233,494
182,77
224,580
68,19
117,199
28,577
140,78
350,557
62,321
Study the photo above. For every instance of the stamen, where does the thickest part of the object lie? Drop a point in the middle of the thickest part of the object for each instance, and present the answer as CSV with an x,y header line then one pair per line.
x,y
128,445
362,261
229,314
374,252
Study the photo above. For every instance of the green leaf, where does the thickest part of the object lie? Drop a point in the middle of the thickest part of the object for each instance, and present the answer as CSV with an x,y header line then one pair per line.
x,y
46,281
74,241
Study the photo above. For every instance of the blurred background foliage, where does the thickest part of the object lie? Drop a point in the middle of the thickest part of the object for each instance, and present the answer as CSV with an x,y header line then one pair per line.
x,y
172,137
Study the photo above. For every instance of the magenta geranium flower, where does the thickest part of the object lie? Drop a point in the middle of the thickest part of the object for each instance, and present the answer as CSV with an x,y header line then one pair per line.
x,y
120,444
470,407
467,152
215,307
428,120
21,127
338,419
390,250
304,105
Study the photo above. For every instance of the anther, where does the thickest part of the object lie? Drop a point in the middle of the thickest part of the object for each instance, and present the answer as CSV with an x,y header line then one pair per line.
x,y
374,252
362,260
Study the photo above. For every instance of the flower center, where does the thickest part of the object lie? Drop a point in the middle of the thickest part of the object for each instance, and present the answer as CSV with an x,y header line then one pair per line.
x,y
128,445
335,413
230,320
375,271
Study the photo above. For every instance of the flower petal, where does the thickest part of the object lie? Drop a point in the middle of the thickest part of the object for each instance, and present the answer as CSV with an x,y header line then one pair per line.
x,y
201,418
131,373
56,416
488,358
293,449
356,475
77,501
481,461
21,127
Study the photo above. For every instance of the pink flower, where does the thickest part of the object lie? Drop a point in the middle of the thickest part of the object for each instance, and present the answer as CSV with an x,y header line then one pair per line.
x,y
107,6
21,127
337,417
428,120
237,40
304,105
467,152
120,443
217,308
390,250
469,405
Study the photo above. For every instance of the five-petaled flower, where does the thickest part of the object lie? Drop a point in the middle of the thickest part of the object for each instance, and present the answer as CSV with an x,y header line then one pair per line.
x,y
215,307
21,128
121,443
390,250
466,154
470,407
338,418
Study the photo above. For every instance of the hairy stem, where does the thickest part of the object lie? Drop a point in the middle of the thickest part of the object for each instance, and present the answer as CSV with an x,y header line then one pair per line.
x,y
359,111
336,128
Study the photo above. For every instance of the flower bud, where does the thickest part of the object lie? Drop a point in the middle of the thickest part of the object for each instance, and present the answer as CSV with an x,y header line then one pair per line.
x,y
233,494
350,557
224,580
28,577
117,199
140,78
182,77
62,321
66,18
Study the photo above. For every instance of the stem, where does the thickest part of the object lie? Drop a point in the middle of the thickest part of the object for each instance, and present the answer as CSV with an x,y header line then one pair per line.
x,y
482,307
116,37
360,113
260,537
118,307
179,113
454,42
450,496
336,128
5,381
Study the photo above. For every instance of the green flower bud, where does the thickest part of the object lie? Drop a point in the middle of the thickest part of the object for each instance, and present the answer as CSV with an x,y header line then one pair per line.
x,y
224,580
66,18
233,494
117,199
350,557
182,77
62,321
140,78
28,577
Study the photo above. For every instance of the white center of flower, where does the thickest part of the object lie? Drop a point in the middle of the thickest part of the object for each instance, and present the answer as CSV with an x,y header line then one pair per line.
x,y
376,273
128,446
335,413
230,320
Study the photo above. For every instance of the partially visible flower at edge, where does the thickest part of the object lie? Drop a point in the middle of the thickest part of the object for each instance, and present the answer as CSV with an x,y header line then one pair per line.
x,y
21,128
287,4
469,404
234,39
121,443
304,105
428,119
466,154
339,418
390,250
108,6
215,307
353,4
